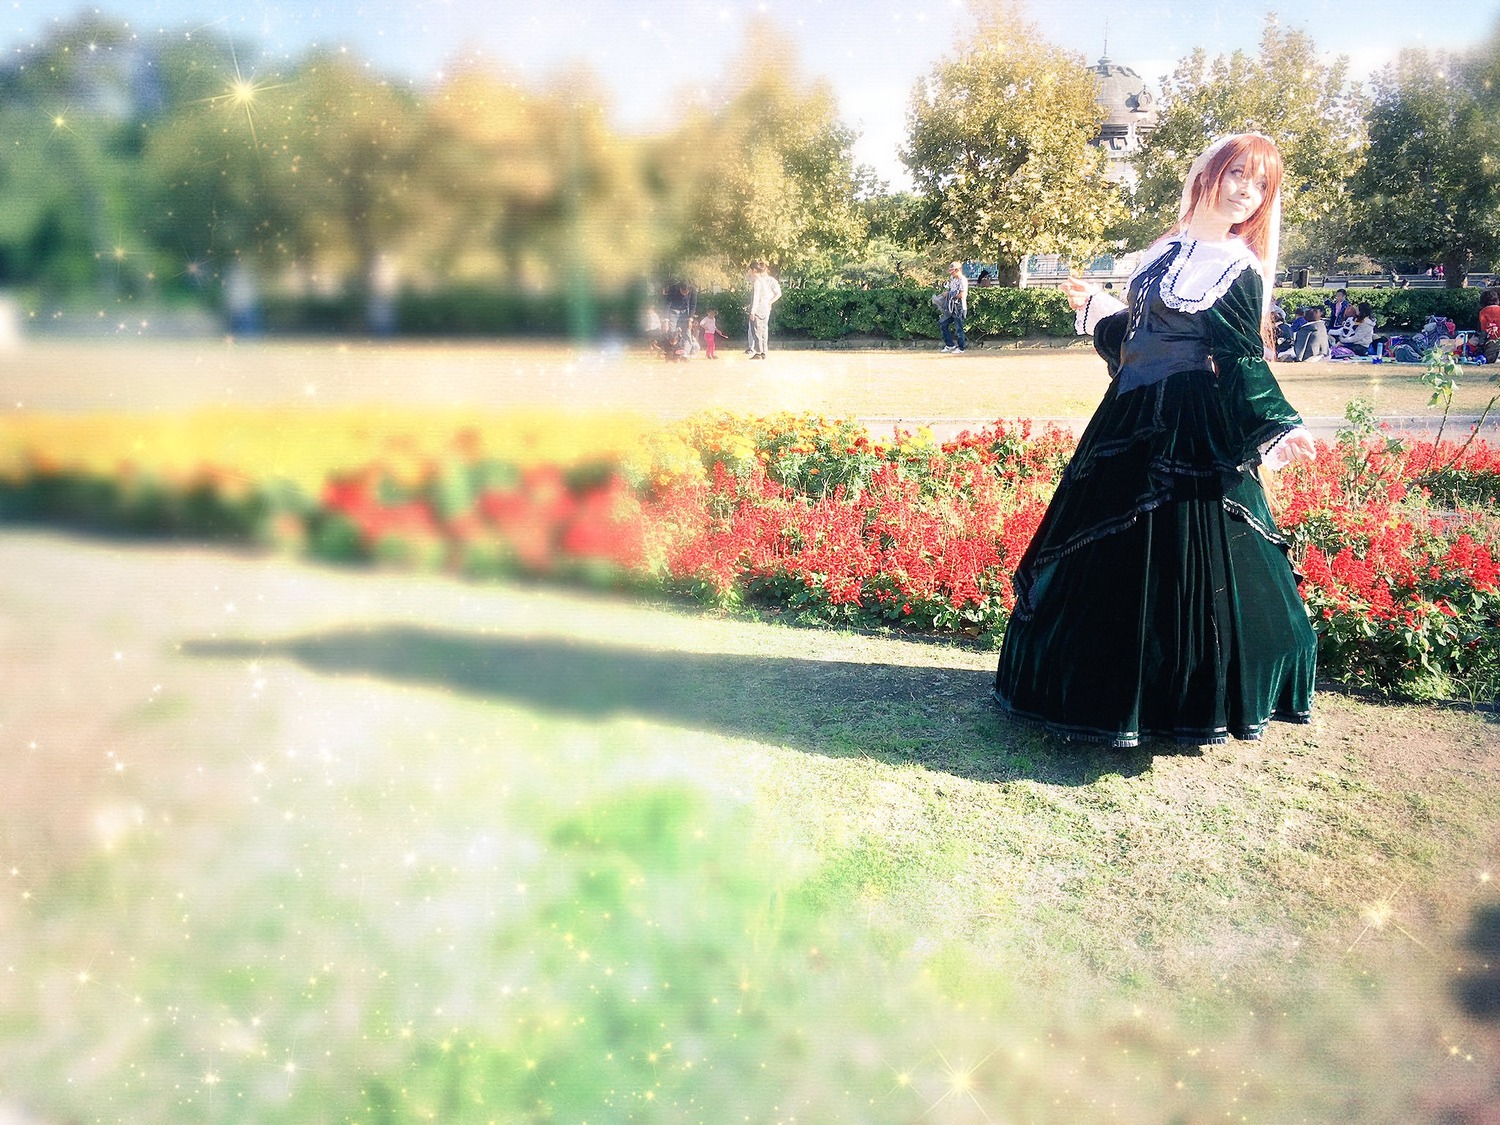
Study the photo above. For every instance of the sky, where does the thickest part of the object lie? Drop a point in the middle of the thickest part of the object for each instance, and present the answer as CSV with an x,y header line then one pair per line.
x,y
652,54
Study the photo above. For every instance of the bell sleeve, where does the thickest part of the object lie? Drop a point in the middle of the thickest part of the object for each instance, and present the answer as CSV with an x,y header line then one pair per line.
x,y
1259,416
1105,318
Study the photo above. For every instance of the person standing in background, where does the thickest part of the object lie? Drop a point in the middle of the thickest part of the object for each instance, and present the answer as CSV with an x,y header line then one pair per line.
x,y
709,326
955,309
765,291
682,302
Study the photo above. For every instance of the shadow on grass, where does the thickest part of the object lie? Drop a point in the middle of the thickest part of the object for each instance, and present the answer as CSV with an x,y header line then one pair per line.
x,y
940,718
1479,994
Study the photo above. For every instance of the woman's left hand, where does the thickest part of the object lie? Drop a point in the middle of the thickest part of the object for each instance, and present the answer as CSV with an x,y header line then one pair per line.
x,y
1300,446
1297,445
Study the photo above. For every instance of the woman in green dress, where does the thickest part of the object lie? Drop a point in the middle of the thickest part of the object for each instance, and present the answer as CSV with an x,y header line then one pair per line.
x,y
1157,598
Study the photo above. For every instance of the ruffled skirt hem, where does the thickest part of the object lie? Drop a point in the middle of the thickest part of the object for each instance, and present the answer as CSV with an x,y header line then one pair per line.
x,y
1126,740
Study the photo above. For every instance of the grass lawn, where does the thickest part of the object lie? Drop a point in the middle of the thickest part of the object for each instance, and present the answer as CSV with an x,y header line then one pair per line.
x,y
916,384
286,844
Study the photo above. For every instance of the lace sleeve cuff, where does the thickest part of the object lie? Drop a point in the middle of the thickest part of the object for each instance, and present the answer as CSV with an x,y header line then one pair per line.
x,y
1275,454
1095,309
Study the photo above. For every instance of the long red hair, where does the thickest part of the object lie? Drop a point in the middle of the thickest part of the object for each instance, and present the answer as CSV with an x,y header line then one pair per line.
x,y
1260,158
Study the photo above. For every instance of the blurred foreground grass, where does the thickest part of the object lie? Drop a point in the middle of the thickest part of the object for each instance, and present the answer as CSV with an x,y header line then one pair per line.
x,y
290,845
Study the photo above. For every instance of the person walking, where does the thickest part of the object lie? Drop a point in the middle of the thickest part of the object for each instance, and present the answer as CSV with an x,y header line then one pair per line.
x,y
765,291
953,310
1157,598
682,303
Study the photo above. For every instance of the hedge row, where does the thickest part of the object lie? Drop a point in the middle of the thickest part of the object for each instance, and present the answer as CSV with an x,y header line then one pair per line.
x,y
811,313
814,314
462,311
905,314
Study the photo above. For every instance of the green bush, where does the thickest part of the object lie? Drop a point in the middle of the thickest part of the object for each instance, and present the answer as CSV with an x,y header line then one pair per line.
x,y
810,313
907,313
460,311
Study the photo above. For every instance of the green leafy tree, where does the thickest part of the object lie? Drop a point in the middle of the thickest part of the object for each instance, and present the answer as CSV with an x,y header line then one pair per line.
x,y
898,248
341,146
306,173
69,170
998,145
1285,91
214,192
1431,186
526,185
769,174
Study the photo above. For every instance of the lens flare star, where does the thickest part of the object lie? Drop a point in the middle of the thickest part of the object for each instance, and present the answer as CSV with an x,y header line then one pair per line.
x,y
1380,914
243,94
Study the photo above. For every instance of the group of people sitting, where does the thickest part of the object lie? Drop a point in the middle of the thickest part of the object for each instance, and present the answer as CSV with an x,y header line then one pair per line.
x,y
1307,336
1344,330
1440,334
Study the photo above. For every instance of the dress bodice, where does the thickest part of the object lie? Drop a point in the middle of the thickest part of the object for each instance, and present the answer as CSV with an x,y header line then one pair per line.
x,y
1159,340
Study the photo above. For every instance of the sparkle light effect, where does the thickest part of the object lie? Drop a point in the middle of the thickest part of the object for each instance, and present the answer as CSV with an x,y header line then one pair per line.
x,y
243,94
1382,913
61,123
959,1084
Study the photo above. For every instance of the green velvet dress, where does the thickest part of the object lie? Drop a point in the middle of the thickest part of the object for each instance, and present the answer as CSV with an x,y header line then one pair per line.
x,y
1157,598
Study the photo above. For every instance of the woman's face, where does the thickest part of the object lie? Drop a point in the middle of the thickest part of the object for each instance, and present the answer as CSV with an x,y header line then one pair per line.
x,y
1240,194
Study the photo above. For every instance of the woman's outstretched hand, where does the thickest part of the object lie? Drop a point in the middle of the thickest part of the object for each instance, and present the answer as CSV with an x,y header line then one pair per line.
x,y
1077,291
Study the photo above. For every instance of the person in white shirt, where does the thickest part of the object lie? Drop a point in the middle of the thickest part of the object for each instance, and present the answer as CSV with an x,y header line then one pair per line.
x,y
765,291
1361,337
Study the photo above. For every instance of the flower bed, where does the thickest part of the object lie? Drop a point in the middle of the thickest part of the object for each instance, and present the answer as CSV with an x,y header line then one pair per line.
x,y
1398,540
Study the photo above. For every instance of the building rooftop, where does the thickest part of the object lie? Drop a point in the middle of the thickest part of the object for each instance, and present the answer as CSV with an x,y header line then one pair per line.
x,y
1125,96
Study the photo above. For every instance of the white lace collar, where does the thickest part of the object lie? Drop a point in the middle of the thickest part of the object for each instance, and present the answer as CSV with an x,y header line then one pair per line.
x,y
1201,273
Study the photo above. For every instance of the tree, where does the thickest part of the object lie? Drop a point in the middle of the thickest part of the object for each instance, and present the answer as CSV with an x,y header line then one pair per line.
x,y
531,183
998,146
309,173
1431,185
213,197
1310,109
768,174
69,170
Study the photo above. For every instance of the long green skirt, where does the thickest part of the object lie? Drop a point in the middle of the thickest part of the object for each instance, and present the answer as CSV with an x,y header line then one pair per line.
x,y
1157,600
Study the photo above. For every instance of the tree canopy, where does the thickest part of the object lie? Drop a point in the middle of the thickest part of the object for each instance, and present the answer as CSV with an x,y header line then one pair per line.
x,y
1310,108
1430,189
134,164
768,173
999,147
